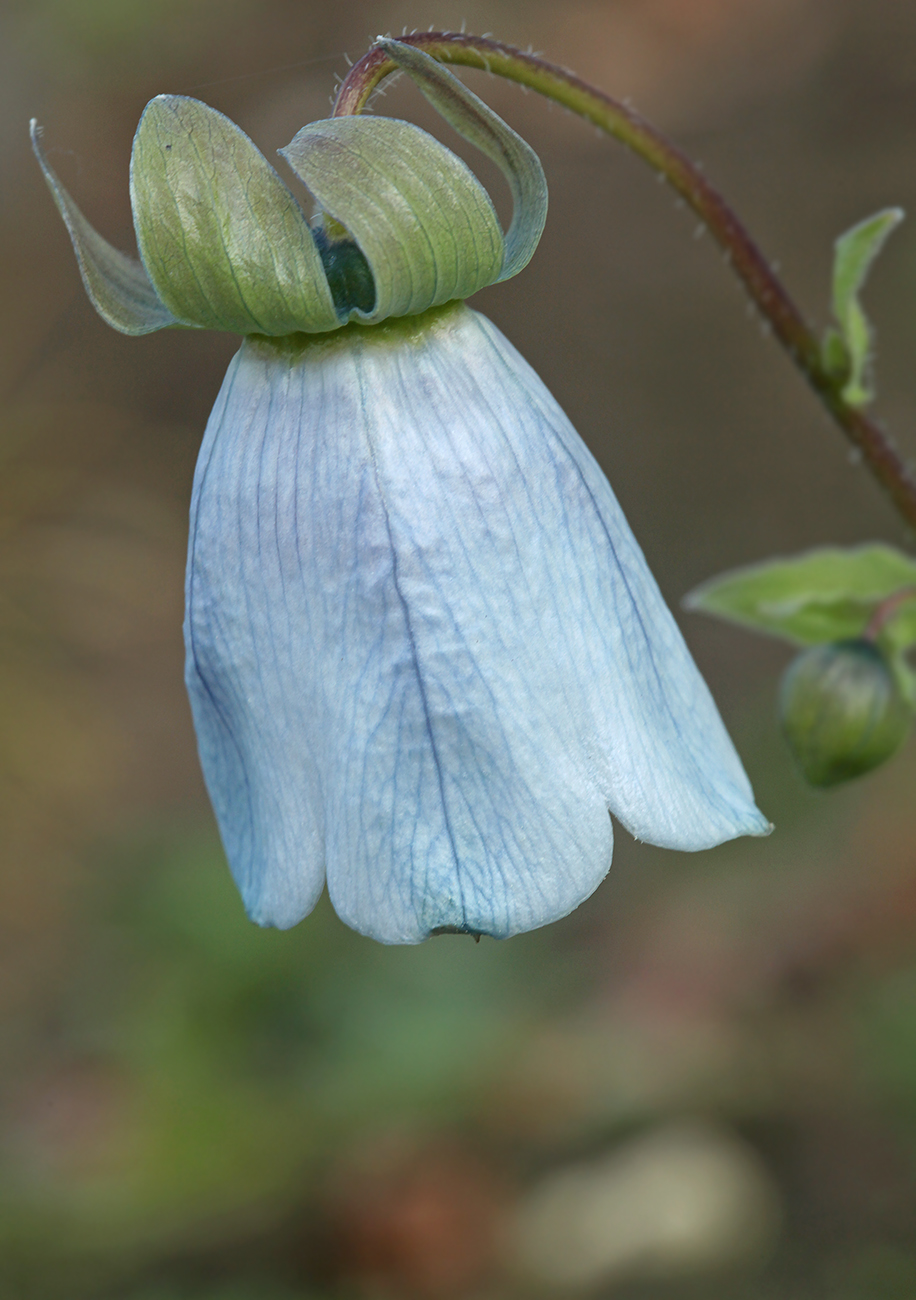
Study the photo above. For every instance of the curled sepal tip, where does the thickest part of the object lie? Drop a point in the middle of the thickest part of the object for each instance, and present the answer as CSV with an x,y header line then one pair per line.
x,y
479,125
225,243
117,285
421,218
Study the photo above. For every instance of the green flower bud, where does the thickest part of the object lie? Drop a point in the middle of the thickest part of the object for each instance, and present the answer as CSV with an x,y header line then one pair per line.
x,y
842,711
403,223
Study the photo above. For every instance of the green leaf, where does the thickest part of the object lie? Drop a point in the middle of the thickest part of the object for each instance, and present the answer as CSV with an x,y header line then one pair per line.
x,y
224,241
855,251
117,285
478,124
423,221
827,594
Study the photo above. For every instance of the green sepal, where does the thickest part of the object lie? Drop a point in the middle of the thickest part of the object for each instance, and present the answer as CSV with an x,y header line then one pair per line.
x,y
828,594
223,240
117,285
842,710
854,253
480,126
423,221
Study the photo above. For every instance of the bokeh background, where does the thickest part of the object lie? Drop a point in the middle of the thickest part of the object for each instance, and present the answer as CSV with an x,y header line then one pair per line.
x,y
702,1083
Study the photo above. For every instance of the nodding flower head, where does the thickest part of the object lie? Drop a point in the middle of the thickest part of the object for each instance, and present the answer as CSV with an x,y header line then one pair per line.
x,y
425,655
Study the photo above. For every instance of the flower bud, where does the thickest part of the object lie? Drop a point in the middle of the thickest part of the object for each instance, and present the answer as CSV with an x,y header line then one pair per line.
x,y
842,711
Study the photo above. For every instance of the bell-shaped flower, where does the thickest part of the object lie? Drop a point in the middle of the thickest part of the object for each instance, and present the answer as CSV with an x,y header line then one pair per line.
x,y
425,655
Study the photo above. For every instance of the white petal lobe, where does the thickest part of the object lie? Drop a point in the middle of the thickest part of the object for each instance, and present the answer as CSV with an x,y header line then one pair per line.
x,y
425,653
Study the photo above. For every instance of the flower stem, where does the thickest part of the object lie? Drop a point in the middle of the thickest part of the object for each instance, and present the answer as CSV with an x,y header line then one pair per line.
x,y
622,122
886,610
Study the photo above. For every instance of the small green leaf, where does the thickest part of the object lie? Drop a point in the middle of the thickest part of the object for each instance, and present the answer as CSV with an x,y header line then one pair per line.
x,y
855,251
419,214
224,241
118,286
478,124
827,594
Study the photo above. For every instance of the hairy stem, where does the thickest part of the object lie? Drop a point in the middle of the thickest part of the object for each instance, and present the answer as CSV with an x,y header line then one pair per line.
x,y
762,284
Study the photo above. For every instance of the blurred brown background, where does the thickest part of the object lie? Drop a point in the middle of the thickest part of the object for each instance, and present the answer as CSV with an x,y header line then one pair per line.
x,y
703,1083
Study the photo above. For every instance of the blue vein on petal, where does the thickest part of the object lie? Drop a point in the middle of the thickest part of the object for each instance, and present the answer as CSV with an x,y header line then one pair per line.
x,y
459,631
496,424
418,671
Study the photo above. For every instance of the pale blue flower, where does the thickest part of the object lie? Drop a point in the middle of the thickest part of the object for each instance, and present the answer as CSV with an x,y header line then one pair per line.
x,y
425,654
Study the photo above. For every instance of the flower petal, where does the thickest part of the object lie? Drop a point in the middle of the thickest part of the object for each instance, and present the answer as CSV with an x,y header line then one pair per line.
x,y
422,634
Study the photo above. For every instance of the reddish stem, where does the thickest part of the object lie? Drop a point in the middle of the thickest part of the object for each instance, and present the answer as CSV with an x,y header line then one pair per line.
x,y
886,610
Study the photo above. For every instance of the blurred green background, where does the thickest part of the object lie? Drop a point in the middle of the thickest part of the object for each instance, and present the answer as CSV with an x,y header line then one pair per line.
x,y
702,1083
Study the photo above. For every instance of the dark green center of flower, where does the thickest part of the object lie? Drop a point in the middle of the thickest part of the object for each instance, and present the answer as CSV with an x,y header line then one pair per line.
x,y
349,277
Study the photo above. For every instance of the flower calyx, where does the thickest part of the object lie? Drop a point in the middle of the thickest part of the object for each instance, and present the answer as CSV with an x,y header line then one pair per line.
x,y
403,224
